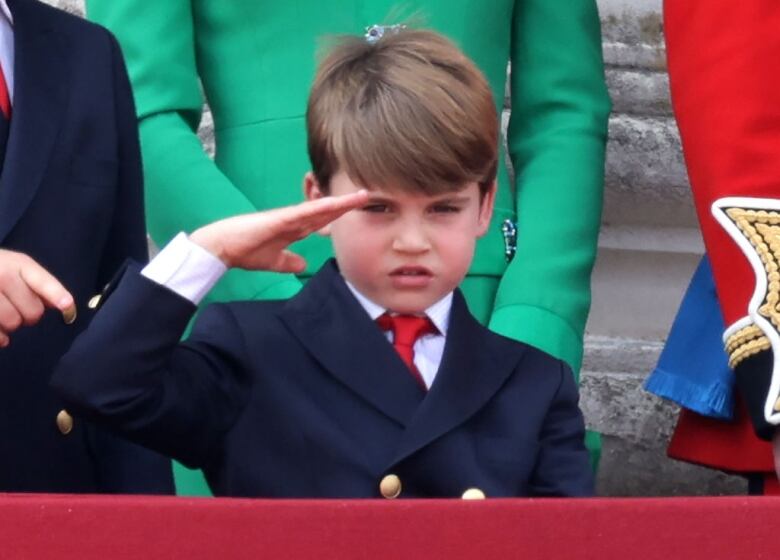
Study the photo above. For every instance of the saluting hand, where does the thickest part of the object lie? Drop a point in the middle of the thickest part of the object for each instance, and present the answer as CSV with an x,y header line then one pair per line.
x,y
26,289
259,241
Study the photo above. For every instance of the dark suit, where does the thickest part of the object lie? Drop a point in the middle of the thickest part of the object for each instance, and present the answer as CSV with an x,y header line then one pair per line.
x,y
70,198
306,398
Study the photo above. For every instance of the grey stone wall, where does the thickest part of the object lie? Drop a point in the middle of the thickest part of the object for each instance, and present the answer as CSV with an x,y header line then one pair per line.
x,y
72,6
648,248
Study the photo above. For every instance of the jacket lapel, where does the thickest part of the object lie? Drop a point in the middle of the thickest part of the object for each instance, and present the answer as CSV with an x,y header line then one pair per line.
x,y
327,319
474,366
40,96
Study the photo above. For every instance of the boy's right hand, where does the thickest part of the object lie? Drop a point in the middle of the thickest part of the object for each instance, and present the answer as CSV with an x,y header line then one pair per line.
x,y
259,241
26,289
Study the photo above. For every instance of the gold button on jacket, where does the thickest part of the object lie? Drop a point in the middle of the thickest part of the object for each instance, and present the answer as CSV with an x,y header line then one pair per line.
x,y
473,494
390,487
94,301
64,422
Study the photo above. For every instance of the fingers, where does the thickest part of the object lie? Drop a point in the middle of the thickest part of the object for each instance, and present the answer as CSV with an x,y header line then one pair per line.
x,y
331,207
10,320
26,288
287,261
49,290
341,203
26,302
308,217
257,241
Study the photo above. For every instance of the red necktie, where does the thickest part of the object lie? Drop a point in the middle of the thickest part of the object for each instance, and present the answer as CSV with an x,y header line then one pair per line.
x,y
5,99
406,330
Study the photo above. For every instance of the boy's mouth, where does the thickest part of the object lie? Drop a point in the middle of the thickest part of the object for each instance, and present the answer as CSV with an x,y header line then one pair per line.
x,y
410,271
411,276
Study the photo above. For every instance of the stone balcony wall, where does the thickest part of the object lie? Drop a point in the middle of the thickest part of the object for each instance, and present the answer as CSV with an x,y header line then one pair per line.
x,y
648,248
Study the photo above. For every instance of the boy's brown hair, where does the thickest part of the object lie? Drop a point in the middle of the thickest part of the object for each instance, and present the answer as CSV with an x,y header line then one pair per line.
x,y
408,111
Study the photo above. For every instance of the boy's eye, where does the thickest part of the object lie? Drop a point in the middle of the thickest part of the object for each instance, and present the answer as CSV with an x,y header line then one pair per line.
x,y
445,209
376,208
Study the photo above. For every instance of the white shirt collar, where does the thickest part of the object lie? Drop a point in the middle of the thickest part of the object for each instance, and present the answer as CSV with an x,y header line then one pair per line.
x,y
4,9
438,313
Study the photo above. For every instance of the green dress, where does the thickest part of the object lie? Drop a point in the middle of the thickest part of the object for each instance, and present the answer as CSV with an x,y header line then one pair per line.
x,y
254,61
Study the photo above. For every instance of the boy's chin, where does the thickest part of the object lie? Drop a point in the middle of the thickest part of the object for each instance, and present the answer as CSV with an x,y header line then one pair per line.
x,y
411,304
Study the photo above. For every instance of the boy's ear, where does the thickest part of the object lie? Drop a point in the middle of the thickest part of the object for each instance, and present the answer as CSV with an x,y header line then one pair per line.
x,y
486,210
311,187
313,191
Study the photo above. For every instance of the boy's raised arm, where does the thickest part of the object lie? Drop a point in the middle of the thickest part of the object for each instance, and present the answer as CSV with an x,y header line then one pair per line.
x,y
129,371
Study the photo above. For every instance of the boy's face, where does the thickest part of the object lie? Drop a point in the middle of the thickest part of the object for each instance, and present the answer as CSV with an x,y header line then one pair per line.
x,y
406,251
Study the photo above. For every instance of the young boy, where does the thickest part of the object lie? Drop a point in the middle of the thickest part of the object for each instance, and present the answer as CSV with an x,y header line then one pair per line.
x,y
306,397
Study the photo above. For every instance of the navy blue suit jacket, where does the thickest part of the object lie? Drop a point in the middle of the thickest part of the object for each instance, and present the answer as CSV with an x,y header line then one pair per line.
x,y
71,198
306,398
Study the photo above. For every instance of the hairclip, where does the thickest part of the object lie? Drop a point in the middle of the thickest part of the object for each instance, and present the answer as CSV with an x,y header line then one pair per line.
x,y
376,32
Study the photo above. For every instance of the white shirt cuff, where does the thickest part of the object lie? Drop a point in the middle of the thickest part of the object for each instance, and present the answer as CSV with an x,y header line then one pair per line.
x,y
185,268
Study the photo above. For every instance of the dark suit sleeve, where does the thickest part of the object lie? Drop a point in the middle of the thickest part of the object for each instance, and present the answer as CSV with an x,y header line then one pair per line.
x,y
129,372
127,237
563,468
122,466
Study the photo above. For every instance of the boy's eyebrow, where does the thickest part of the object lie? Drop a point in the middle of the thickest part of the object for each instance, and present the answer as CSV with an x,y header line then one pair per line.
x,y
451,200
378,197
446,199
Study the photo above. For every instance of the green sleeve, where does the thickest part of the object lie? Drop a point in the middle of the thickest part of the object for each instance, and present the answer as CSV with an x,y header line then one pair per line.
x,y
556,139
184,188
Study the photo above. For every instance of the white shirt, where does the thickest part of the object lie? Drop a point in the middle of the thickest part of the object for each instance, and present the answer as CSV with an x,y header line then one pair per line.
x,y
191,271
7,47
428,349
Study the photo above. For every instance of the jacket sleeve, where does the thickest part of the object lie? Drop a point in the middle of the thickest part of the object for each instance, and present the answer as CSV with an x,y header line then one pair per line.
x,y
184,188
129,372
120,465
563,467
556,140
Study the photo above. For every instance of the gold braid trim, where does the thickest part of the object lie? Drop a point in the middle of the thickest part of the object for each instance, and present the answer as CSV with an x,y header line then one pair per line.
x,y
744,343
742,336
748,349
762,229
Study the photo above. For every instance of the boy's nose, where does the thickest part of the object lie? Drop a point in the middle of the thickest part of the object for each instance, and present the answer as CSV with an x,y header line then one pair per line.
x,y
411,240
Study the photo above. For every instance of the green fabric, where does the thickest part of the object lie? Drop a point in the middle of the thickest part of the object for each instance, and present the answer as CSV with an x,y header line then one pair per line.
x,y
254,62
593,444
480,292
533,325
190,482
